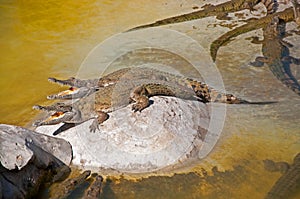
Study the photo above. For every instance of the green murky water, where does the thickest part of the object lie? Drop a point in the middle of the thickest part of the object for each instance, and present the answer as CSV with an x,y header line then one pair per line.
x,y
52,38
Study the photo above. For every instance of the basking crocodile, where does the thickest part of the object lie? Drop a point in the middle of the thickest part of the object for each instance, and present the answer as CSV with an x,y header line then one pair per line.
x,y
287,183
125,86
214,10
287,15
276,54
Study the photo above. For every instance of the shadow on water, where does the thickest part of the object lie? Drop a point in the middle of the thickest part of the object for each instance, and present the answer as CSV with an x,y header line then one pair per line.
x,y
277,54
107,192
215,184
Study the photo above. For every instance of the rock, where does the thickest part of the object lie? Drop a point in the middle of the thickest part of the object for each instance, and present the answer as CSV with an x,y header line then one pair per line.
x,y
168,132
29,159
15,154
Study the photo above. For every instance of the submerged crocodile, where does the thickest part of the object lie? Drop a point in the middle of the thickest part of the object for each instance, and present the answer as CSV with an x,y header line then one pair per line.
x,y
276,54
123,87
287,15
95,188
69,185
214,10
287,183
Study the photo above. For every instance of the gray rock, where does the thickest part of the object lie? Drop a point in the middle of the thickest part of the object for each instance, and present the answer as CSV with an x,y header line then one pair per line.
x,y
168,132
29,159
15,154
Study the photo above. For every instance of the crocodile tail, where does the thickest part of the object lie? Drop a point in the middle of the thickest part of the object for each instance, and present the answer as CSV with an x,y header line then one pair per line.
x,y
174,20
216,96
285,77
207,94
293,85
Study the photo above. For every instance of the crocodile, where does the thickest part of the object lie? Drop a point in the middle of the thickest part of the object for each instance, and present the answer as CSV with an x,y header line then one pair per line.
x,y
276,54
95,188
129,86
214,10
69,185
296,7
287,183
287,15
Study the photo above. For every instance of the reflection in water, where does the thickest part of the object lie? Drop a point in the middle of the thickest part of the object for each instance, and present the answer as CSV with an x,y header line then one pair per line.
x,y
107,192
51,38
215,184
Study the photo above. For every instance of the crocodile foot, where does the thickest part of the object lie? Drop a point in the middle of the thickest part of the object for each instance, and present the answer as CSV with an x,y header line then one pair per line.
x,y
141,103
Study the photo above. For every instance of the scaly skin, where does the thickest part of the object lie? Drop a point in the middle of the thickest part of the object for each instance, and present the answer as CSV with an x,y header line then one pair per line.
x,y
129,85
287,183
296,7
95,188
143,74
275,51
213,10
276,54
287,15
69,185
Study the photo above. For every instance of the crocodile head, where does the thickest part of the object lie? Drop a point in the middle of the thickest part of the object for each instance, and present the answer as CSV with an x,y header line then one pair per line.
x,y
58,113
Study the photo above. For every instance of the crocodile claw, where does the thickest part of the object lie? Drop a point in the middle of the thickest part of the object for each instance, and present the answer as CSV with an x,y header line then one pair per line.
x,y
137,107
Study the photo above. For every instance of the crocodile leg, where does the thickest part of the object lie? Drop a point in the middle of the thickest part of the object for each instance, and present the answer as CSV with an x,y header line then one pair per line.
x,y
102,116
259,61
140,95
